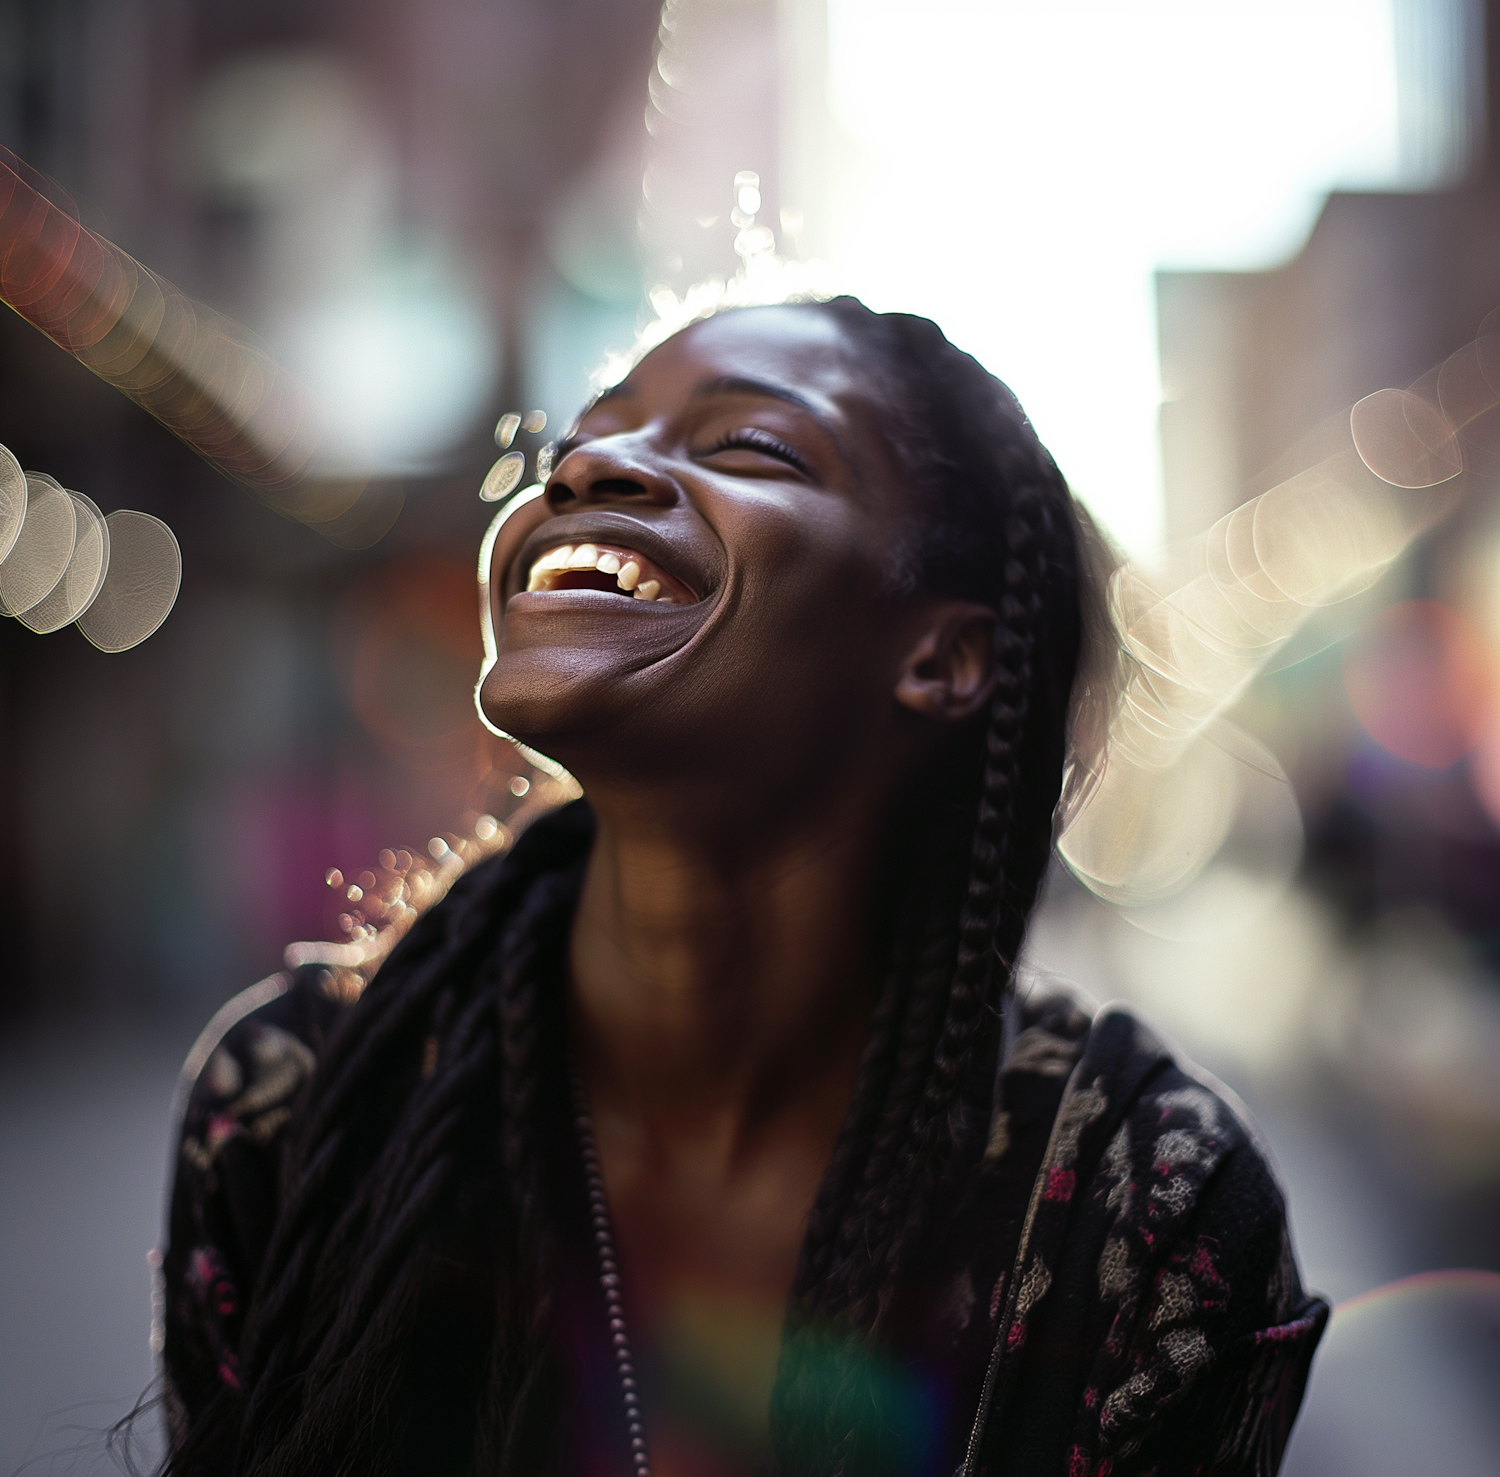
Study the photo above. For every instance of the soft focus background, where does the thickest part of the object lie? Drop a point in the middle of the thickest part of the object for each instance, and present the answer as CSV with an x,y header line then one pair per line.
x,y
1186,231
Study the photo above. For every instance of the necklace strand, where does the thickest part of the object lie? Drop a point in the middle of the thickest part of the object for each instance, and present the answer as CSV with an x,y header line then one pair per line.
x,y
609,1279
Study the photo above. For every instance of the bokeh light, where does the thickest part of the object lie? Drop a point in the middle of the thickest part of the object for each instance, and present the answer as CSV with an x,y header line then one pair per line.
x,y
1421,680
402,364
117,577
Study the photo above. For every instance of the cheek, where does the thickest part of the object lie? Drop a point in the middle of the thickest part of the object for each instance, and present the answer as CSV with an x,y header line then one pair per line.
x,y
810,606
817,565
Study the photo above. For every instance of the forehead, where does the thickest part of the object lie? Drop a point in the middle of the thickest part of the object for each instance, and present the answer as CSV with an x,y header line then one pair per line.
x,y
801,348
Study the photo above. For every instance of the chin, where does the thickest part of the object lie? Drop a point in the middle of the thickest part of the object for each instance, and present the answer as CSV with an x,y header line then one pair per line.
x,y
560,702
539,701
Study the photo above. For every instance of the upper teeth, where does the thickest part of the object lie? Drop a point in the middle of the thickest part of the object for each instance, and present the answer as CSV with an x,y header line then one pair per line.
x,y
626,567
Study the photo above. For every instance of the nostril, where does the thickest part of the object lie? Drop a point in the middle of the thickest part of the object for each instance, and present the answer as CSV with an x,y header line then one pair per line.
x,y
617,487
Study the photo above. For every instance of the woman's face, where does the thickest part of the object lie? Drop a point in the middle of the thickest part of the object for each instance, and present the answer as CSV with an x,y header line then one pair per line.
x,y
706,580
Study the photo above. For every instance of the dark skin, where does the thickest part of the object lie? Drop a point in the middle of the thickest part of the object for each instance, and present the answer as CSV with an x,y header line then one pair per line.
x,y
745,751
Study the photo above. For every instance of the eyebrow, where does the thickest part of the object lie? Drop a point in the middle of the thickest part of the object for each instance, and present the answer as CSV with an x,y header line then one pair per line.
x,y
734,384
726,384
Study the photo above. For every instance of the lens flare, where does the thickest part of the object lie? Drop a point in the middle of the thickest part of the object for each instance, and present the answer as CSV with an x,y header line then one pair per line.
x,y
504,477
1161,788
1462,1283
1404,1381
1404,440
201,375
1468,392
12,501
145,573
115,577
40,554
1202,846
84,576
387,899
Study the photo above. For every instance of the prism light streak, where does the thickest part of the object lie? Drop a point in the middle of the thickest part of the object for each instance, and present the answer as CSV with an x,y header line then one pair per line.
x,y
204,377
1166,784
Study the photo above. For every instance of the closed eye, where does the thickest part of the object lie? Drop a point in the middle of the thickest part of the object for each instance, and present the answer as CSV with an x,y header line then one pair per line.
x,y
752,438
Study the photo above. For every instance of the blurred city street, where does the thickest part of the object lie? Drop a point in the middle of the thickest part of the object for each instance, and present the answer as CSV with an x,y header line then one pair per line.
x,y
1193,236
83,1149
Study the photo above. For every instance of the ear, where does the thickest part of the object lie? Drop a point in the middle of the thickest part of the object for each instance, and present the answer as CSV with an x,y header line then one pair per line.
x,y
949,670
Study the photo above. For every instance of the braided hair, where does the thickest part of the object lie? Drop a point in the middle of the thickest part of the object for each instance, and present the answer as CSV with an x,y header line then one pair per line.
x,y
402,1315
981,483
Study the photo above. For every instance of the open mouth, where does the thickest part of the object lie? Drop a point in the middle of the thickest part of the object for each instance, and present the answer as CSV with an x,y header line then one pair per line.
x,y
611,569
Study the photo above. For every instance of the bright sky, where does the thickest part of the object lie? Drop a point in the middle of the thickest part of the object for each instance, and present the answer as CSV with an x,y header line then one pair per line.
x,y
1021,167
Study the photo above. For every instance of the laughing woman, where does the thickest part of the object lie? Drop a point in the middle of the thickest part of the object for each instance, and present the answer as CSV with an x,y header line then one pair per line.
x,y
708,1131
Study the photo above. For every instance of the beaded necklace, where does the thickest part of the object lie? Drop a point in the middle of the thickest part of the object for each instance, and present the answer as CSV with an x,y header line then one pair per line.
x,y
609,1278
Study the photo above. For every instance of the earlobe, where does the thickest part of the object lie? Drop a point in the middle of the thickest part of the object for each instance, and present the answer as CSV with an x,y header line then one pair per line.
x,y
949,672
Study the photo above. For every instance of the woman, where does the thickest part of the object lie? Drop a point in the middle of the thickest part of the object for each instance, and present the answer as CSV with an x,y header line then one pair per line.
x,y
706,1131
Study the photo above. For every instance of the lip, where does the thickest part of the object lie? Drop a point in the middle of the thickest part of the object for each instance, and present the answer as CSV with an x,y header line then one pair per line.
x,y
693,568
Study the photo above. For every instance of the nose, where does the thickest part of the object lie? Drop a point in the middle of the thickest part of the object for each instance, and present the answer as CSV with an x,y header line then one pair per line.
x,y
613,469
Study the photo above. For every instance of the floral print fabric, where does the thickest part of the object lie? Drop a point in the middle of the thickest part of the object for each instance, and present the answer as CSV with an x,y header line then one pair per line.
x,y
1152,1321
1111,1294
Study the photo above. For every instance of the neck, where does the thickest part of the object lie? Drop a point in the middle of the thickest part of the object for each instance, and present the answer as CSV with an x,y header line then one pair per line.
x,y
723,972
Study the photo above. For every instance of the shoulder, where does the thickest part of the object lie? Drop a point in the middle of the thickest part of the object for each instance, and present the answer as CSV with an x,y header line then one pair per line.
x,y
1178,1153
1179,1224
234,1100
235,1097
1147,1156
250,1060
1157,1157
1134,1112
243,1080
1155,1270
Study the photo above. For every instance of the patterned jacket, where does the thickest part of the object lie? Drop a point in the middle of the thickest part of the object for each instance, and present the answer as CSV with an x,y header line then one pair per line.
x,y
1112,1292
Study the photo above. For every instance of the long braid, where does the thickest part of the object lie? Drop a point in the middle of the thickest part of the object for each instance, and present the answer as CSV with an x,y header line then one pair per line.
x,y
420,1161
518,1429
396,1194
966,447
878,1063
336,1123
989,927
330,1176
363,1276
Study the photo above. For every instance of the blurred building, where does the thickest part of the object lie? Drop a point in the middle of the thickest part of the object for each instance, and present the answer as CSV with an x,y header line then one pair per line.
x,y
1387,286
1387,715
390,195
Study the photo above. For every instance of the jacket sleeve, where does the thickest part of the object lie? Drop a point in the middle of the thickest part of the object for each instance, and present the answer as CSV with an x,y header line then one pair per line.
x,y
1206,1358
234,1103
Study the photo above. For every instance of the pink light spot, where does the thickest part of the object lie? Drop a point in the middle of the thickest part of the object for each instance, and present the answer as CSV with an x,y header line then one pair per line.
x,y
1421,680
